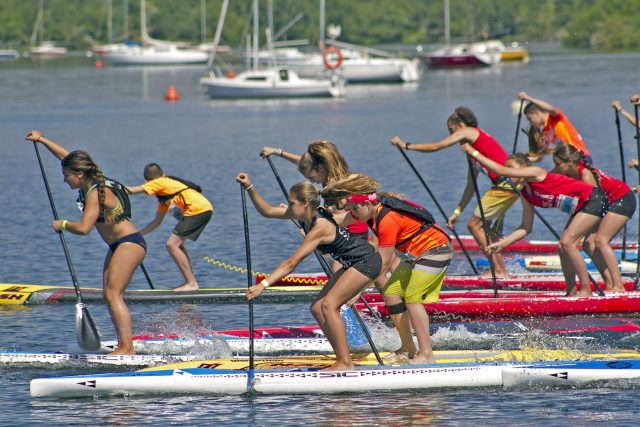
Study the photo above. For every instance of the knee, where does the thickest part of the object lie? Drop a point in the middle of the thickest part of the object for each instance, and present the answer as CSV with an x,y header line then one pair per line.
x,y
565,245
316,310
327,305
601,242
397,308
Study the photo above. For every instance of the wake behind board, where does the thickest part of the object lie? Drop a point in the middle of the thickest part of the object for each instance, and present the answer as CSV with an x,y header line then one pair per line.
x,y
293,380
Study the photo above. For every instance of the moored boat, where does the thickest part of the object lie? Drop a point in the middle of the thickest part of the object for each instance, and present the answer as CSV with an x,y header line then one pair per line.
x,y
480,54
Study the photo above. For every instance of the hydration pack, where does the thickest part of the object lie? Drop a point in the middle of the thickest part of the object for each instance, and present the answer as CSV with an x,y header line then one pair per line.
x,y
119,190
187,183
405,207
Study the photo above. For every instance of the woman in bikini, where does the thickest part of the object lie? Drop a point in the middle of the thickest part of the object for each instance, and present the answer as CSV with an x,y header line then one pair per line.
x,y
359,261
102,209
585,203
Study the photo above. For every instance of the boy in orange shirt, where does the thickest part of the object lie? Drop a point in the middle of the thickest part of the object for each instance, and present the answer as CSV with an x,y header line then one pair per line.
x,y
186,202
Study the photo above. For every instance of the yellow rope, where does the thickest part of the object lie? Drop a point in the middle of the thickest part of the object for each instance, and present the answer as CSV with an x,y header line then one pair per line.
x,y
227,266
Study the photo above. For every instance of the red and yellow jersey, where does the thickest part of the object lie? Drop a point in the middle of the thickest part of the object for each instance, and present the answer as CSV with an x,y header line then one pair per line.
x,y
396,227
188,200
558,127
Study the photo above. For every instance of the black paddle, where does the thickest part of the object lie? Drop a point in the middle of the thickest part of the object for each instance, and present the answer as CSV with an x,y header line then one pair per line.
x,y
146,275
515,139
86,331
635,111
624,179
435,201
247,244
486,232
329,272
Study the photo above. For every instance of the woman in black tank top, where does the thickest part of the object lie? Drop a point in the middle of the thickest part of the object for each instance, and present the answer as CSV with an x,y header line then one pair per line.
x,y
360,262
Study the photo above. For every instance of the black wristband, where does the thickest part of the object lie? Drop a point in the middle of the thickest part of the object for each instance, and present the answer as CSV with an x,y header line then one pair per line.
x,y
407,145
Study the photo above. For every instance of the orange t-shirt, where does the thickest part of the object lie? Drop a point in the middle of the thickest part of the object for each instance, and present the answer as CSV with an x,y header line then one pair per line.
x,y
188,200
395,227
558,127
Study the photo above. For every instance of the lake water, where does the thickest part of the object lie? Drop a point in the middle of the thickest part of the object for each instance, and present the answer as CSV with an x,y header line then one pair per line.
x,y
119,115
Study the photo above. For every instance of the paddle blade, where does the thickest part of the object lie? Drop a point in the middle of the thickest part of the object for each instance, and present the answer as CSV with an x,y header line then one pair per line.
x,y
86,331
355,335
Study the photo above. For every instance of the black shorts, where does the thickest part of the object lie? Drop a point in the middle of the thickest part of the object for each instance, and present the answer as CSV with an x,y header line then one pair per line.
x,y
370,265
625,205
597,204
190,227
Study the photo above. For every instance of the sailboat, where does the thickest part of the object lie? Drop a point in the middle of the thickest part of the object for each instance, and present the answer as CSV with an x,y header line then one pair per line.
x,y
46,49
153,51
478,54
357,64
270,82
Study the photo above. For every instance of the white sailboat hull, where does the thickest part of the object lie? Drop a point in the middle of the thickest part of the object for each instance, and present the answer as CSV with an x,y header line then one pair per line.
x,y
136,55
271,83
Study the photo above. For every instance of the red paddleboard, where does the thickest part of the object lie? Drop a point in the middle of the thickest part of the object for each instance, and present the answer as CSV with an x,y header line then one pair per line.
x,y
539,246
534,282
527,307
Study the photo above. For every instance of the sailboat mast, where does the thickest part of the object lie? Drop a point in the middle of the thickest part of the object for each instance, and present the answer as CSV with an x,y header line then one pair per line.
x,y
125,20
321,25
203,21
256,35
109,21
447,26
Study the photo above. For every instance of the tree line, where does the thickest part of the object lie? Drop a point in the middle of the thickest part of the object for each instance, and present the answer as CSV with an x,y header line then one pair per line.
x,y
79,24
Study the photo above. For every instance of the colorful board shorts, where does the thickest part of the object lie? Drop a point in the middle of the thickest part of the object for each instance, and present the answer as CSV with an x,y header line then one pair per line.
x,y
496,202
418,281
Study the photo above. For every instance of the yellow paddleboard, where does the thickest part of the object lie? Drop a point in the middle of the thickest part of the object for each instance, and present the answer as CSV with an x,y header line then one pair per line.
x,y
454,356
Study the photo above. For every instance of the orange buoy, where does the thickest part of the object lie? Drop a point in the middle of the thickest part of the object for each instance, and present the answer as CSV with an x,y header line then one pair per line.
x,y
171,94
231,74
98,64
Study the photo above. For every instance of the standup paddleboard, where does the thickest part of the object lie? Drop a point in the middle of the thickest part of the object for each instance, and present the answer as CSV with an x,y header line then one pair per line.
x,y
211,379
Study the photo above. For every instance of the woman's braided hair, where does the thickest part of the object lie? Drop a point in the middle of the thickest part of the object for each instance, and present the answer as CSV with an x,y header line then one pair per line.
x,y
81,161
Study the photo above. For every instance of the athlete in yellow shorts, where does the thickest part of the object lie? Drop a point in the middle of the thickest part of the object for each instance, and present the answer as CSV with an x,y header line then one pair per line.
x,y
408,231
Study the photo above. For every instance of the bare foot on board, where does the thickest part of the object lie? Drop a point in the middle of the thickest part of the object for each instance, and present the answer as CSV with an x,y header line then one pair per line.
x,y
420,359
187,287
122,350
339,366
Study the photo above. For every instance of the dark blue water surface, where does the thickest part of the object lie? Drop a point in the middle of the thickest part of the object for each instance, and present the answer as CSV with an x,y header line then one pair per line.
x,y
120,117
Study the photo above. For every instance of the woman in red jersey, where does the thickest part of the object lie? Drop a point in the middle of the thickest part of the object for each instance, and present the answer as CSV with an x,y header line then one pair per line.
x,y
622,205
585,204
463,127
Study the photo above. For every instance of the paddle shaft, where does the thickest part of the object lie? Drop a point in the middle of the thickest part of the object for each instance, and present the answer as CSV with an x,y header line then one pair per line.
x,y
624,178
635,111
67,255
515,139
86,331
247,245
484,226
146,275
329,272
444,215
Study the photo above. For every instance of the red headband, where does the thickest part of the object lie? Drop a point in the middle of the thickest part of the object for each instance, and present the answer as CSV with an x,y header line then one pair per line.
x,y
361,198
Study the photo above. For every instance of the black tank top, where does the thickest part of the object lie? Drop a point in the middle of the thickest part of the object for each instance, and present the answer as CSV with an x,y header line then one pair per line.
x,y
345,248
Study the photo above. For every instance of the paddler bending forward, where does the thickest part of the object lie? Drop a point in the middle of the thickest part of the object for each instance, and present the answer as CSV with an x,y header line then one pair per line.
x,y
423,247
104,210
586,204
360,262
